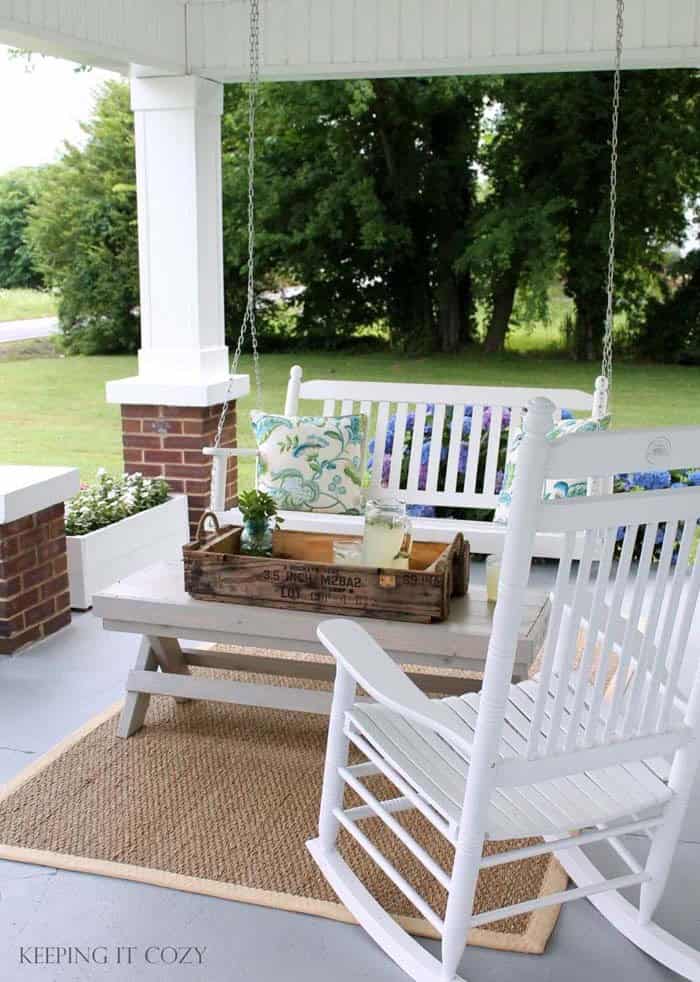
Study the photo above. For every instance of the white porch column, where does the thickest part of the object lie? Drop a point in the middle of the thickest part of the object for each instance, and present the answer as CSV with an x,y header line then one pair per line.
x,y
183,359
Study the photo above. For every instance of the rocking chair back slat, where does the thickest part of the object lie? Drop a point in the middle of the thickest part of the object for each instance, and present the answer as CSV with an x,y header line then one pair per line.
x,y
584,669
649,653
631,637
565,654
610,634
677,649
658,675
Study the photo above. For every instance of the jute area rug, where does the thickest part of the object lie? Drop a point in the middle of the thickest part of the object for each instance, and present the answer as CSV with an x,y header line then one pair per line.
x,y
219,800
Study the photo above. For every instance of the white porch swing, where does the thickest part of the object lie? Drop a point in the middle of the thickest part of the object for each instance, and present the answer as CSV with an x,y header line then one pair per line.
x,y
492,407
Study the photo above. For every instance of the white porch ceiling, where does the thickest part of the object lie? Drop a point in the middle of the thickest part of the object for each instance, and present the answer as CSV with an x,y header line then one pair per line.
x,y
355,38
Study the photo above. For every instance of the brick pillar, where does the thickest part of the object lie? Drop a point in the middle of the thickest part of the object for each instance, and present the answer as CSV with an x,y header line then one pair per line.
x,y
34,597
167,441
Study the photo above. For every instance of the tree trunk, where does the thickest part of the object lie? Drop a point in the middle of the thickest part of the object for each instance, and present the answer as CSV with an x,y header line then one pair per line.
x,y
504,290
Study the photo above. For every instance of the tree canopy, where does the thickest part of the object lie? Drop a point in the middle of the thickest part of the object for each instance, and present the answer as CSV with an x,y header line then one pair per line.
x,y
427,205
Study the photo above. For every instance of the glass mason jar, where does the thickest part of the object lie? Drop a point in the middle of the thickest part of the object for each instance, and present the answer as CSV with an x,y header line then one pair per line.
x,y
387,540
256,538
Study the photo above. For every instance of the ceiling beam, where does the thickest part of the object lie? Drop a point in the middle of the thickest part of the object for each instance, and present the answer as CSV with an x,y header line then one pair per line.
x,y
102,33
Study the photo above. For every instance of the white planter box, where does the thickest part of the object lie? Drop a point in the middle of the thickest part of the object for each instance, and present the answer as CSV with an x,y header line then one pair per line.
x,y
102,557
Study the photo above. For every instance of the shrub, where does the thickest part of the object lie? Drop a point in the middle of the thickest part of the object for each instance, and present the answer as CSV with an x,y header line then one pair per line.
x,y
670,331
18,192
83,231
110,499
623,483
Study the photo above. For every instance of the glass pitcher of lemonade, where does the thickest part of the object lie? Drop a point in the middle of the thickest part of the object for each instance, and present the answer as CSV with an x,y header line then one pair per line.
x,y
387,541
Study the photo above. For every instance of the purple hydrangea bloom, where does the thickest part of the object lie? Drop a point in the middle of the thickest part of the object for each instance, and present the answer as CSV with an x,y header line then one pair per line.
x,y
422,477
499,482
466,426
386,467
620,533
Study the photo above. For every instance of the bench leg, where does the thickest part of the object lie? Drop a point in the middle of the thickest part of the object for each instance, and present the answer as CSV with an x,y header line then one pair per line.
x,y
170,658
136,704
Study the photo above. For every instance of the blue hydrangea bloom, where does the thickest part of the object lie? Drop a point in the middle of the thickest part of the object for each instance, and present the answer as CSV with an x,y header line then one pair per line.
x,y
694,478
567,414
651,480
421,511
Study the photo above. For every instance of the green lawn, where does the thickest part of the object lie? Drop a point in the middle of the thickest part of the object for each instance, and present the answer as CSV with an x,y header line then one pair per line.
x,y
52,410
19,305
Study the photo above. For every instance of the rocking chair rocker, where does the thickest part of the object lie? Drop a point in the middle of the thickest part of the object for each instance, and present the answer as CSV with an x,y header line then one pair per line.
x,y
577,755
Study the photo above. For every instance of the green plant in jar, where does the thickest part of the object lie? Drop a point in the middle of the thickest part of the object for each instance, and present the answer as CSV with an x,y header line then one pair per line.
x,y
259,512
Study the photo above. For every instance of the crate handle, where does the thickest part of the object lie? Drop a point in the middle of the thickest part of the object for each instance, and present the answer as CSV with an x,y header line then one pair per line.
x,y
199,534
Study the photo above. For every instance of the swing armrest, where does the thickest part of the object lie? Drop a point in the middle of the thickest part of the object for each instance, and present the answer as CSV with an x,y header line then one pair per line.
x,y
379,675
229,452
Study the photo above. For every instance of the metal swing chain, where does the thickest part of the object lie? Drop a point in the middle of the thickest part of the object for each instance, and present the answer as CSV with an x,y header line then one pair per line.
x,y
606,368
248,322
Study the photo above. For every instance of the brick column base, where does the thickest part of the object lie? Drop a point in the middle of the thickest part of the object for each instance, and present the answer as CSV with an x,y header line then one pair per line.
x,y
34,596
167,441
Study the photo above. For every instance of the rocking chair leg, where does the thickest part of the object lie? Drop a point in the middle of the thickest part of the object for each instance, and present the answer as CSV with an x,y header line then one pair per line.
x,y
665,838
460,900
336,756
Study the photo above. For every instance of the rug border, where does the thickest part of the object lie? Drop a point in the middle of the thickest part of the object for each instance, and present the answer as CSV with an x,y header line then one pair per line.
x,y
532,941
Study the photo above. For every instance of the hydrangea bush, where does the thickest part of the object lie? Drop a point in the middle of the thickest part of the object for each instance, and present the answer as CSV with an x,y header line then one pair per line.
x,y
473,442
109,499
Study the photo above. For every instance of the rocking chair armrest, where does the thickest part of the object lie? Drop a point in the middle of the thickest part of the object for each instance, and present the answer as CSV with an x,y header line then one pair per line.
x,y
229,452
379,675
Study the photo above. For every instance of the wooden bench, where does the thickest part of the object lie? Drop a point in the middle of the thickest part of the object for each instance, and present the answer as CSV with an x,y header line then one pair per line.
x,y
495,409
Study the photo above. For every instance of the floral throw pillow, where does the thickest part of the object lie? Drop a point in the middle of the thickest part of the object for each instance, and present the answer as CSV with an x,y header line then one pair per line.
x,y
311,463
554,489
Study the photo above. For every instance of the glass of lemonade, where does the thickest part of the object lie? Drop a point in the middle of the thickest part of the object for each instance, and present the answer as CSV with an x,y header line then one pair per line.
x,y
387,541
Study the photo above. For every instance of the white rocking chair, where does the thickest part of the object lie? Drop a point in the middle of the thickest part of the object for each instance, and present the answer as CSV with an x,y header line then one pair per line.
x,y
580,754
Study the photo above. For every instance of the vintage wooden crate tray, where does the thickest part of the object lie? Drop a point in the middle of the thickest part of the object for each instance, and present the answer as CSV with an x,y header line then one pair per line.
x,y
300,575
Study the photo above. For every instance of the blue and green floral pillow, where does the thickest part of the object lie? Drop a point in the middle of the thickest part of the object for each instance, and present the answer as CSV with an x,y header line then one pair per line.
x,y
554,489
311,463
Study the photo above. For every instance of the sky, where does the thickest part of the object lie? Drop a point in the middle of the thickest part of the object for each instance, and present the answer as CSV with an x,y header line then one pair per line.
x,y
41,106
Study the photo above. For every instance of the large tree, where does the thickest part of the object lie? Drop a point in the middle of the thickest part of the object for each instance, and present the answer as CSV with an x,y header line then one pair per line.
x,y
554,136
83,231
366,191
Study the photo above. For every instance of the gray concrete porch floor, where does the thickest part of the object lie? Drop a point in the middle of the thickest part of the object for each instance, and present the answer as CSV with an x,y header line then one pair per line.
x,y
49,691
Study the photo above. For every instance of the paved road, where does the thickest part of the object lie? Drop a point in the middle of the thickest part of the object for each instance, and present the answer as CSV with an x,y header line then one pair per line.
x,y
36,327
